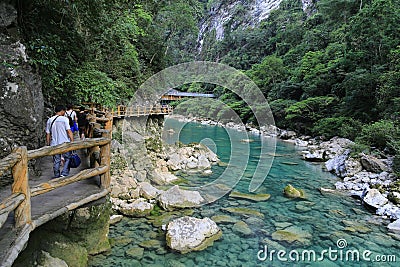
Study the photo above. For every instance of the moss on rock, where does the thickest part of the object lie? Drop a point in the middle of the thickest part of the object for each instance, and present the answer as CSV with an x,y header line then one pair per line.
x,y
292,192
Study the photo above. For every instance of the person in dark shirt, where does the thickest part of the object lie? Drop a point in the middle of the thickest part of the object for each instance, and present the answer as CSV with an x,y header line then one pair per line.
x,y
82,122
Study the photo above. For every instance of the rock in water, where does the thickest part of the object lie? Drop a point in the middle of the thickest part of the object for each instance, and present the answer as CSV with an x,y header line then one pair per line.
x,y
188,234
253,197
292,192
178,198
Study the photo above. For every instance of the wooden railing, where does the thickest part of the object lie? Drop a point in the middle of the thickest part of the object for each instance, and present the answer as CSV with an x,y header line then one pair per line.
x,y
20,199
123,111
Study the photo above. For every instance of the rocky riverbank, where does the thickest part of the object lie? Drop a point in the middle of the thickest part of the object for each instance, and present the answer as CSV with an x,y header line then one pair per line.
x,y
169,207
367,177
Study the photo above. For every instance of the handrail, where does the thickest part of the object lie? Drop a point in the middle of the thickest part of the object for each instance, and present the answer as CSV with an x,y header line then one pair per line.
x,y
20,199
8,162
123,111
60,182
59,149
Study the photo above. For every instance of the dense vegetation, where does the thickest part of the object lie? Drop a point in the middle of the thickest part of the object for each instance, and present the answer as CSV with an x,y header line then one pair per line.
x,y
333,71
102,50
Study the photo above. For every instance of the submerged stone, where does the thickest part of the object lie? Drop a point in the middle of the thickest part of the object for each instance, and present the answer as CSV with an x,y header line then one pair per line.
x,y
292,234
253,197
223,219
151,244
135,253
242,228
244,211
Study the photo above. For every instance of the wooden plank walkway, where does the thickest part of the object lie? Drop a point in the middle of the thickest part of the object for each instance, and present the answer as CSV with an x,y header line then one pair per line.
x,y
52,204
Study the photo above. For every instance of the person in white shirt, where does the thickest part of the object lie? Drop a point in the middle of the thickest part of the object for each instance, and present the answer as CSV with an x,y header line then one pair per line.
x,y
58,131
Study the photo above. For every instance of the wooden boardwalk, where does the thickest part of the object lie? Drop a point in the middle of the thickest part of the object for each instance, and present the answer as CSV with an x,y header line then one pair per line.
x,y
34,200
51,204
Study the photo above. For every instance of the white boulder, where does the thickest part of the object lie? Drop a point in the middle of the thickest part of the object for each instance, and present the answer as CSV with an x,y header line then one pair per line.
x,y
192,234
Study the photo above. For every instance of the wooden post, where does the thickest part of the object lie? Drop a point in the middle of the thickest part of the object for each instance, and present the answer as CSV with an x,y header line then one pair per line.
x,y
105,178
118,111
21,185
109,124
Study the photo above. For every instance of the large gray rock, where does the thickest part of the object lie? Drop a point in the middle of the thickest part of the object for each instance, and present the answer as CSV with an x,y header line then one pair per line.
x,y
138,208
178,198
337,165
148,191
287,135
374,198
372,164
327,150
188,234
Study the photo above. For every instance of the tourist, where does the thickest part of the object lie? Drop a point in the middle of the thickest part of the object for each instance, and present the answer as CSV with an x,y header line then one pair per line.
x,y
71,115
82,122
58,131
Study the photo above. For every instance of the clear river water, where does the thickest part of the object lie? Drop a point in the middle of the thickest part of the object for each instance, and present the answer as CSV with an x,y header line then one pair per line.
x,y
322,229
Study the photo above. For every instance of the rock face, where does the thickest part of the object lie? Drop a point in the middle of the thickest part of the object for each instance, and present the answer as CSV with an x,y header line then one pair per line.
x,y
222,13
70,237
191,234
178,198
21,101
141,136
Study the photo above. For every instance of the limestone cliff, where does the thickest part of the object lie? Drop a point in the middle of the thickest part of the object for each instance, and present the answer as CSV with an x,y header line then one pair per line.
x,y
21,99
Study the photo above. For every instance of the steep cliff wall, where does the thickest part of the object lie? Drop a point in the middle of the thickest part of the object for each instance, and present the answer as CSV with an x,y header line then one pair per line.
x,y
236,14
21,99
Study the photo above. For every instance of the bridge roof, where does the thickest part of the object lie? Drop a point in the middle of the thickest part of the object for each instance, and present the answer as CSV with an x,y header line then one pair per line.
x,y
174,92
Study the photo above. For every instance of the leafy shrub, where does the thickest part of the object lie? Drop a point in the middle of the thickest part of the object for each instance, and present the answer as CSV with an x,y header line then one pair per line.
x,y
340,126
303,114
278,108
378,134
91,85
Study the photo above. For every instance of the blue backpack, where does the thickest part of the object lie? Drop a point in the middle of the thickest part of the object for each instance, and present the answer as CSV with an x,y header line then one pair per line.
x,y
74,161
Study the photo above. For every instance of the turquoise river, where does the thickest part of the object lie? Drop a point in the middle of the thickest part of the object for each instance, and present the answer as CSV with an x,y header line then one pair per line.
x,y
323,229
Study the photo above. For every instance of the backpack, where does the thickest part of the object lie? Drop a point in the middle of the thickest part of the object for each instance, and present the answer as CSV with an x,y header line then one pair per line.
x,y
71,122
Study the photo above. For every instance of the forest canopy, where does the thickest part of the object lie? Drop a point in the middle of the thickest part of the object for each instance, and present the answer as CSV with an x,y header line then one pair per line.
x,y
333,70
